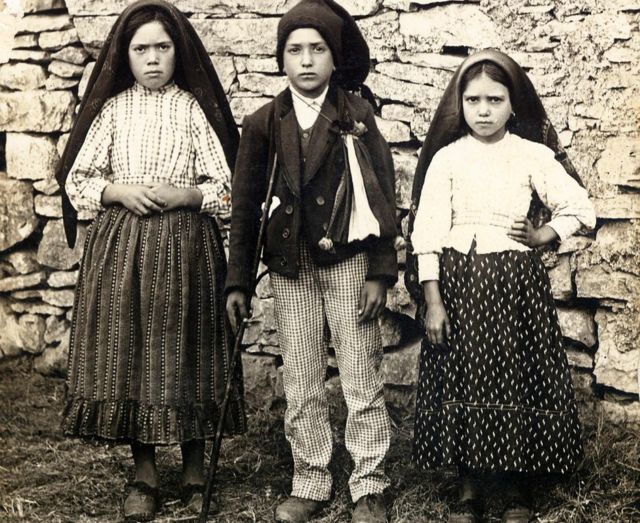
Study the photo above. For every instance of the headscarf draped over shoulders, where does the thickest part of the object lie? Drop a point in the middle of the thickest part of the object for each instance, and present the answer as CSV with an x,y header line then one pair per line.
x,y
530,122
200,79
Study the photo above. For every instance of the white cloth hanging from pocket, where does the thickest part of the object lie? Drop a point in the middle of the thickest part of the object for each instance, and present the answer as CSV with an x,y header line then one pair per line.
x,y
362,222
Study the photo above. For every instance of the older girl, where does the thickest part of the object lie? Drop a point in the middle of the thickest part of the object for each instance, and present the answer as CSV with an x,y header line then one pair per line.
x,y
150,154
495,392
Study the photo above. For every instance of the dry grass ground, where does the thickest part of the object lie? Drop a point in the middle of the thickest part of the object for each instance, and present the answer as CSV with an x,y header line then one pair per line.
x,y
44,477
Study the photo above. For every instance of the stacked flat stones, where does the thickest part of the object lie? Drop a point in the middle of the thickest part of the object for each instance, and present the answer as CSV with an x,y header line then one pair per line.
x,y
583,60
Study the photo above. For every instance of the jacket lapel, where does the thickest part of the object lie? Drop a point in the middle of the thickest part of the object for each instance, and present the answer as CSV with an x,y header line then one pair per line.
x,y
288,141
322,137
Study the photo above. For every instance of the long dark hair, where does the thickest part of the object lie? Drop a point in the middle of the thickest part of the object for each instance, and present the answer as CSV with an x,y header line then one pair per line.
x,y
141,17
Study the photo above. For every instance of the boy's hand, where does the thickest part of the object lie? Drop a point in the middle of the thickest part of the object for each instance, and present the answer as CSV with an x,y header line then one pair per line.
x,y
524,232
237,309
139,199
437,323
373,298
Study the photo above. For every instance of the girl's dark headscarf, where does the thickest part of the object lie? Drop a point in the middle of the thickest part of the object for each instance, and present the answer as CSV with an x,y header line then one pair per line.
x,y
111,75
448,124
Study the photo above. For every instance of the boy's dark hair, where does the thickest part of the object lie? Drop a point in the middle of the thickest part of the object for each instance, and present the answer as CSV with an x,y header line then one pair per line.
x,y
144,16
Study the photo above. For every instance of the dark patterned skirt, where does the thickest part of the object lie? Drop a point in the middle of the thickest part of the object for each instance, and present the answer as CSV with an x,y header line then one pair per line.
x,y
150,345
498,396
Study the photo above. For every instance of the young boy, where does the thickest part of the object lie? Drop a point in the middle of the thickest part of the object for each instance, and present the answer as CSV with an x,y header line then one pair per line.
x,y
329,249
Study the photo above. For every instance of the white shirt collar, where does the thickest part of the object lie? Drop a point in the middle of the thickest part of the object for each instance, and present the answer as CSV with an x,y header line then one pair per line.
x,y
307,109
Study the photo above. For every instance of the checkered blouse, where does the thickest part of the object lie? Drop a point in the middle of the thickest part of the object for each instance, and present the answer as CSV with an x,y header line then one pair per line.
x,y
145,136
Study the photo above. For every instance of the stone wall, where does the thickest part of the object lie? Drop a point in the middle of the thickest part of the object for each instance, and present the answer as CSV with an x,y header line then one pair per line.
x,y
583,58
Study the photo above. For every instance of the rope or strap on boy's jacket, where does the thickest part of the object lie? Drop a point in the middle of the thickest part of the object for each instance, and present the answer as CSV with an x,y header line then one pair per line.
x,y
362,221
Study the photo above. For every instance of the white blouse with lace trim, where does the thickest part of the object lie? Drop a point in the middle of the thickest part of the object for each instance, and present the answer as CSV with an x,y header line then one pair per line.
x,y
476,191
146,136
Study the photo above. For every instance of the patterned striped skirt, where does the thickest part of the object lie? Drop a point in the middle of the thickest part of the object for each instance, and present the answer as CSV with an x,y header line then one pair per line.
x,y
498,396
150,344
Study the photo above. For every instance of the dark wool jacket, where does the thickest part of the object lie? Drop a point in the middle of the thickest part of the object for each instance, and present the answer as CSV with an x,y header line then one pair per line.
x,y
305,208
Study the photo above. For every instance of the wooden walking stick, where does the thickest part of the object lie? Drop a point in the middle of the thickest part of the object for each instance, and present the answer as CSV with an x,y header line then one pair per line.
x,y
235,355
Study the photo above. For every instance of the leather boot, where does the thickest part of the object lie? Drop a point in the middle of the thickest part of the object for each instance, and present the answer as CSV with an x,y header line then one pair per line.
x,y
370,508
298,510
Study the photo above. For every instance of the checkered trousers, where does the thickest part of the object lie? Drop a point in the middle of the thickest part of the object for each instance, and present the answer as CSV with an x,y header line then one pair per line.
x,y
301,306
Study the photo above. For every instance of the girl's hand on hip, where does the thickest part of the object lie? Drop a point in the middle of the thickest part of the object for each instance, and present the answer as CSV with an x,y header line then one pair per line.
x,y
524,232
139,199
437,324
373,298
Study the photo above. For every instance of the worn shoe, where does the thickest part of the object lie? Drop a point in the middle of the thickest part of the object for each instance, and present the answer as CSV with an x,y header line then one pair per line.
x,y
298,510
141,503
516,511
192,498
466,511
370,508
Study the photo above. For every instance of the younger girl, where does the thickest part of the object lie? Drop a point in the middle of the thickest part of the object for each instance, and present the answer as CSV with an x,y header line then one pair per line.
x,y
495,393
150,153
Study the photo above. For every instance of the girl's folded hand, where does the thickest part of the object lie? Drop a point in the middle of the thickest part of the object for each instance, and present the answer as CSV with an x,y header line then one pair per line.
x,y
139,199
176,198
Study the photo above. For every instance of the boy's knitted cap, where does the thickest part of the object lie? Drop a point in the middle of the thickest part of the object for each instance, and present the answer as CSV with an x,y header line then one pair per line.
x,y
338,28
317,15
